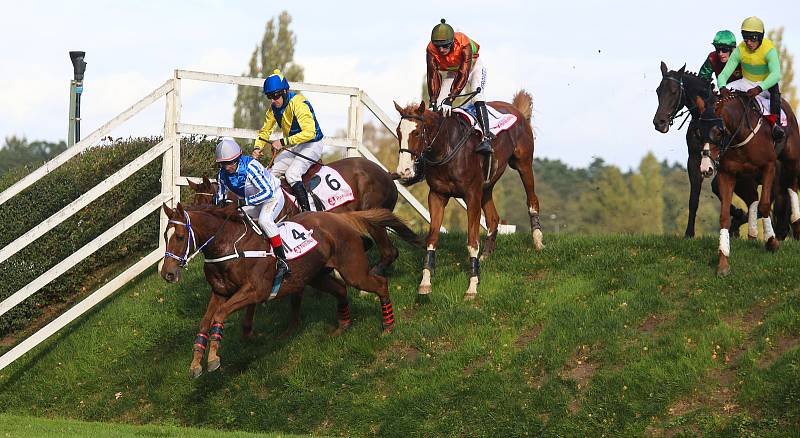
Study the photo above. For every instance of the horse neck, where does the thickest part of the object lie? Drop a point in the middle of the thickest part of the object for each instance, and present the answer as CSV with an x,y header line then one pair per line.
x,y
736,112
694,87
205,225
447,135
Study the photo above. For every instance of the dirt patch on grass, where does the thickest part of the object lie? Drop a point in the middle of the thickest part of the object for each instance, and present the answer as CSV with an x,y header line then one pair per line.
x,y
527,336
474,365
537,275
784,344
581,371
652,322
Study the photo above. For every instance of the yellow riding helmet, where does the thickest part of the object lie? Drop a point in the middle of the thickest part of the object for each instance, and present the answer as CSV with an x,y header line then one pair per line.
x,y
753,24
442,34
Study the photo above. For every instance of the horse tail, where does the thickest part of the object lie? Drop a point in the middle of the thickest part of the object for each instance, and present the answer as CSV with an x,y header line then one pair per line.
x,y
523,102
368,221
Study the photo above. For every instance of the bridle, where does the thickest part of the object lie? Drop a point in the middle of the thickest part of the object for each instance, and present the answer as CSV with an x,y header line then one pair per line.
x,y
679,103
184,260
422,158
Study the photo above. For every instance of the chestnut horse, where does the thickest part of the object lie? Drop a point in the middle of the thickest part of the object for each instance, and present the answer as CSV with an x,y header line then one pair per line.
x,y
739,142
441,149
237,280
372,187
678,90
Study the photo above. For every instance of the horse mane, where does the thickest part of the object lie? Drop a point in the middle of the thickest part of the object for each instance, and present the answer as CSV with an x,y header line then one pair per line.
x,y
704,86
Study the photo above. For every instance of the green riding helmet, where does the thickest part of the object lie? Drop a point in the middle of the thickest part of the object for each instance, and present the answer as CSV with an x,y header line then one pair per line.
x,y
724,38
442,34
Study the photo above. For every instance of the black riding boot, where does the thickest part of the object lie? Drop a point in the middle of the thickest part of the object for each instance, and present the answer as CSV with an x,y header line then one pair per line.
x,y
302,195
775,109
485,146
282,267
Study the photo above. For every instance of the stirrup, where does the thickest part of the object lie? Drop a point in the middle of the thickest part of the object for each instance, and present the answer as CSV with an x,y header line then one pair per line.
x,y
282,265
778,133
484,147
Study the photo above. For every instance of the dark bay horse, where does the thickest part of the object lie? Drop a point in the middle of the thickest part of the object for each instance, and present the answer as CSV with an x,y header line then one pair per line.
x,y
738,142
441,149
678,90
242,281
372,187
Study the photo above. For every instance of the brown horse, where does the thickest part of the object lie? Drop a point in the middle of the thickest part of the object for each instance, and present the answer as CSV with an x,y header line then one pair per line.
x,y
238,281
739,143
678,89
372,187
441,149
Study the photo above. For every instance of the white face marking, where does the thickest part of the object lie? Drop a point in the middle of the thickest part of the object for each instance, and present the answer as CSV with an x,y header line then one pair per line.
x,y
170,233
405,163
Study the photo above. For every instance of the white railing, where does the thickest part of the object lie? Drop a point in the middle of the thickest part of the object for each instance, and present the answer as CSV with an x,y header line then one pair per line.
x,y
171,180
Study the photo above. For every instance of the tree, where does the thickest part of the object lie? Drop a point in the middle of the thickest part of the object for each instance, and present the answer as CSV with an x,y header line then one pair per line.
x,y
18,152
788,90
275,51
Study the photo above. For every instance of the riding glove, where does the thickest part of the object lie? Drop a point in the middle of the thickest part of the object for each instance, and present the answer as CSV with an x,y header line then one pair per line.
x,y
755,91
241,202
446,109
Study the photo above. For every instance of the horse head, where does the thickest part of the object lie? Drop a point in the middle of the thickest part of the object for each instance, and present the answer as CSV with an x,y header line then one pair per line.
x,y
671,94
179,240
203,192
412,136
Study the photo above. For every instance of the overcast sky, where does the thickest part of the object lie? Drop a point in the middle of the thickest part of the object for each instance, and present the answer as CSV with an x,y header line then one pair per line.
x,y
592,67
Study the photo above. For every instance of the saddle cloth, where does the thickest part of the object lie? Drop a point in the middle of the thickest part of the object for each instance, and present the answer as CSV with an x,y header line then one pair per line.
x,y
328,186
297,239
763,102
498,122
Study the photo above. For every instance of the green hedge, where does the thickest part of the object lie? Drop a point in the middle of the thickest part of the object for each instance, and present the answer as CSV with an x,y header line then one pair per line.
x,y
64,185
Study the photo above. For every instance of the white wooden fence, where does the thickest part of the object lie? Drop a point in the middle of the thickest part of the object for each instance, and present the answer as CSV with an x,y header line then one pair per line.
x,y
171,180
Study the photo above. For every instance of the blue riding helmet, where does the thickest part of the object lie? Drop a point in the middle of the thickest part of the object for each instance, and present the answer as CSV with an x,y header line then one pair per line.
x,y
275,82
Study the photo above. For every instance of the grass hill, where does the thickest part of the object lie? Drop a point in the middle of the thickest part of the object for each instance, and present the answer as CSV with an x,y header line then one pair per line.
x,y
595,335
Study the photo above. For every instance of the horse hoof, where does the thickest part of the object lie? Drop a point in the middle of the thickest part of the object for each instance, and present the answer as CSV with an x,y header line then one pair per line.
x,y
387,329
723,271
469,296
424,289
749,237
423,298
195,372
340,330
213,365
772,244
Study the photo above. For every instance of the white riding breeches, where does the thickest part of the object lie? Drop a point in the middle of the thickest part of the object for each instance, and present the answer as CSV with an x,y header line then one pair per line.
x,y
266,212
293,166
477,78
744,84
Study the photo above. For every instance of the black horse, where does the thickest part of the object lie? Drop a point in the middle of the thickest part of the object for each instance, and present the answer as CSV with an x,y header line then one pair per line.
x,y
680,89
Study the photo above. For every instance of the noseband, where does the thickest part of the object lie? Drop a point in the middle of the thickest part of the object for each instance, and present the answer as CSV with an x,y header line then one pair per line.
x,y
184,260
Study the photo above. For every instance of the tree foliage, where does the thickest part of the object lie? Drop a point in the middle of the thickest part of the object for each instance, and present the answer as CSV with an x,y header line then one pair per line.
x,y
18,152
276,51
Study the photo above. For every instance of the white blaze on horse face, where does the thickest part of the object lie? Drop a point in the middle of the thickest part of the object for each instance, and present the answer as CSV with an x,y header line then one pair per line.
x,y
706,166
170,233
795,205
724,243
405,163
752,220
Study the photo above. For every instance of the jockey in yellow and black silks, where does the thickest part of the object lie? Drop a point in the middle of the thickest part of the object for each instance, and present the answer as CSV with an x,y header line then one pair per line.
x,y
301,133
761,68
453,61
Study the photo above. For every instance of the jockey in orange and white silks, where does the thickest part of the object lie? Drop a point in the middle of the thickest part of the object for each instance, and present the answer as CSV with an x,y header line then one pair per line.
x,y
453,61
301,133
259,192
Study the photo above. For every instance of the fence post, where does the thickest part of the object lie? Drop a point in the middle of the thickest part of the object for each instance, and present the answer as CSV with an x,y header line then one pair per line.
x,y
168,161
355,125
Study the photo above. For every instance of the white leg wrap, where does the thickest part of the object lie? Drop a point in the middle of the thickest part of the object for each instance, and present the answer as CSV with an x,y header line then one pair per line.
x,y
724,243
768,231
795,205
425,284
752,220
472,290
473,252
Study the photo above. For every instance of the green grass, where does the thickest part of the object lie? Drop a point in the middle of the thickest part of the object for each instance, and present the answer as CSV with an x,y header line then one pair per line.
x,y
20,426
594,335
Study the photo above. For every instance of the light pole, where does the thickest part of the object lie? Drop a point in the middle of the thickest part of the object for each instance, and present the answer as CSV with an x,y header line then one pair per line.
x,y
75,90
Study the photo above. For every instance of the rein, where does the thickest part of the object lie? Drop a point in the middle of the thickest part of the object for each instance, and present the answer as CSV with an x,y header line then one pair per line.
x,y
423,156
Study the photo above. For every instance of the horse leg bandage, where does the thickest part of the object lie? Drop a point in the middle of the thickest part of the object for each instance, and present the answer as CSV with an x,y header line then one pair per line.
x,y
388,313
343,309
200,342
216,331
795,203
724,242
475,265
752,220
534,216
768,231
430,260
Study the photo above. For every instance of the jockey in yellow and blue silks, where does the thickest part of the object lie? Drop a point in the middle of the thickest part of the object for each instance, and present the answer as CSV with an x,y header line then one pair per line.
x,y
761,68
259,193
301,133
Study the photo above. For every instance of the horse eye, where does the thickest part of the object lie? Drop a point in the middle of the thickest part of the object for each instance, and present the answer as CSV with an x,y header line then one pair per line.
x,y
179,237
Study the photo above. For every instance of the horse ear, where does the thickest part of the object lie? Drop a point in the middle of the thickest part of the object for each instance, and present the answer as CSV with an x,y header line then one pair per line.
x,y
682,69
701,104
398,107
421,108
168,211
180,209
193,185
206,181
664,69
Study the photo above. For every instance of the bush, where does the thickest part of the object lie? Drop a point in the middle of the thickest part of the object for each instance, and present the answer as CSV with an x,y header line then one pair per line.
x,y
64,185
